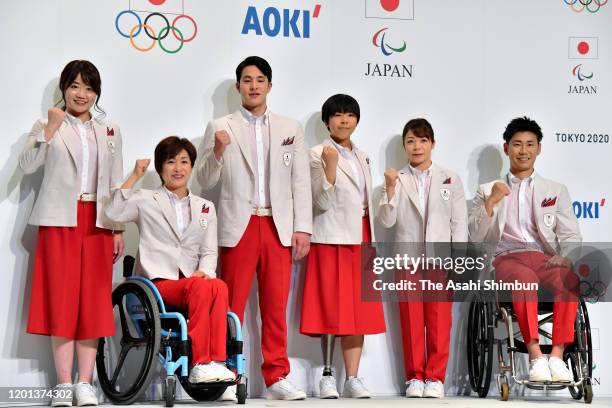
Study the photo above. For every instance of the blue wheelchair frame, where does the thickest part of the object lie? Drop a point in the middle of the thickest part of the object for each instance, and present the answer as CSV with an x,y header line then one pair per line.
x,y
235,362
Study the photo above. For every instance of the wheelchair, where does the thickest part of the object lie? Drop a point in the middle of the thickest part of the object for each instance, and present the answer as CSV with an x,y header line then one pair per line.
x,y
487,311
148,330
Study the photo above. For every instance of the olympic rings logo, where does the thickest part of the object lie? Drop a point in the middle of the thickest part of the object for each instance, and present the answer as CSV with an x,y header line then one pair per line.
x,y
156,38
591,6
592,292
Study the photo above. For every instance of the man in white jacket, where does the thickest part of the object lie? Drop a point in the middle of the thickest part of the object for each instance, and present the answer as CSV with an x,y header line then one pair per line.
x,y
530,223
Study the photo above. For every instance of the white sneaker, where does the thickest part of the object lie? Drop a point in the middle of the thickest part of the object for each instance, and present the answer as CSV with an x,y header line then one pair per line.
x,y
415,388
538,370
85,394
62,395
223,373
284,390
558,370
203,373
354,388
433,389
327,387
229,394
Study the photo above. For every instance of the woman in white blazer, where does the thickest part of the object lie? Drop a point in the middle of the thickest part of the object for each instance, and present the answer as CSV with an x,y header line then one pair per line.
x,y
77,245
332,304
426,204
178,251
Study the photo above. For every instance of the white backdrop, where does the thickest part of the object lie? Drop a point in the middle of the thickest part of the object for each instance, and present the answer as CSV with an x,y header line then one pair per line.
x,y
469,67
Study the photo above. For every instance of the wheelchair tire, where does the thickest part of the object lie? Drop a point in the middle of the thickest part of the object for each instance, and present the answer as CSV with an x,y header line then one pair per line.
x,y
480,345
504,392
200,392
588,392
141,335
241,392
170,390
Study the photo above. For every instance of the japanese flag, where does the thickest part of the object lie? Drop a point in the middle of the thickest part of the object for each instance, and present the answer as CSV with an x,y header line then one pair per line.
x,y
390,9
583,48
158,6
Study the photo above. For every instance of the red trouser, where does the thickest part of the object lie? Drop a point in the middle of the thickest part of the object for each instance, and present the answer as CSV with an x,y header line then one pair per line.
x,y
426,356
530,267
260,249
72,285
206,303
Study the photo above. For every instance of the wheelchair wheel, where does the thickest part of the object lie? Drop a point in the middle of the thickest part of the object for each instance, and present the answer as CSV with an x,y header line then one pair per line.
x,y
125,361
170,390
480,346
241,391
581,353
588,391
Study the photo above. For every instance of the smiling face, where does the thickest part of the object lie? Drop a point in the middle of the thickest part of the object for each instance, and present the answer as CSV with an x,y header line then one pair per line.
x,y
522,150
176,171
253,87
341,126
418,150
79,97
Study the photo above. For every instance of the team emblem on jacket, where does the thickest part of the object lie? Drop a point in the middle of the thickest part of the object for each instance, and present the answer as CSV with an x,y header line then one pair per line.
x,y
445,193
110,131
447,181
111,145
287,158
203,222
549,202
549,220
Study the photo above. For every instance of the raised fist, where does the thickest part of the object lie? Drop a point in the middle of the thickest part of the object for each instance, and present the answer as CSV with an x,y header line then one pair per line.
x,y
222,139
391,177
140,168
329,155
55,118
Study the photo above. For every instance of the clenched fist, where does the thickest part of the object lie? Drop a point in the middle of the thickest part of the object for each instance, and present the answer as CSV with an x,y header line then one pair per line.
x,y
499,191
391,177
329,155
222,139
55,118
140,168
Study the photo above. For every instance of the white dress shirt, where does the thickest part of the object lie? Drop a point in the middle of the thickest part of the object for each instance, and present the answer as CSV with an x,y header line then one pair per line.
x,y
89,153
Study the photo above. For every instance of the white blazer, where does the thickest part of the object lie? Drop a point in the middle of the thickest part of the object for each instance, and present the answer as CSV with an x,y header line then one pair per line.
x,y
446,209
337,210
552,208
56,204
162,251
290,195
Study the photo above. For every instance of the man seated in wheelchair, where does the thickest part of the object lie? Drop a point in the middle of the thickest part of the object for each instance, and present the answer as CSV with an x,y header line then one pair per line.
x,y
530,224
178,251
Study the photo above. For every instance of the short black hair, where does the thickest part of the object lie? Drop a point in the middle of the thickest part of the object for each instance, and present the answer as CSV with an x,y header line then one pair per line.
x,y
420,128
523,124
89,74
259,62
339,103
168,148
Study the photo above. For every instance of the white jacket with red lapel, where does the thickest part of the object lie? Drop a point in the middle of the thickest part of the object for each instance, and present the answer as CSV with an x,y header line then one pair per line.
x,y
290,195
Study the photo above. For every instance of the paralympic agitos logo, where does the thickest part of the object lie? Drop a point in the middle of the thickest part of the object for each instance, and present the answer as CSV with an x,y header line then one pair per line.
x,y
155,29
380,41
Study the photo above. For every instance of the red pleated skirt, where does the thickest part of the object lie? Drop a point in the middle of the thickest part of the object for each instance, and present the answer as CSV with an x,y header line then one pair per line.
x,y
72,284
332,302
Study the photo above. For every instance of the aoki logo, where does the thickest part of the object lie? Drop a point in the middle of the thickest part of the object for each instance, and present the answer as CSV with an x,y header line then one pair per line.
x,y
294,23
379,42
588,209
578,73
591,6
158,34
